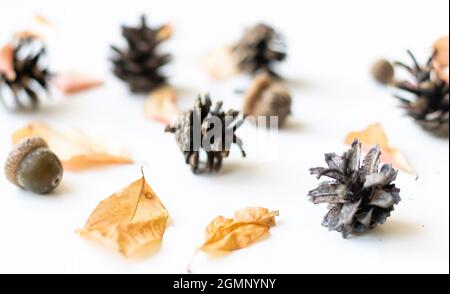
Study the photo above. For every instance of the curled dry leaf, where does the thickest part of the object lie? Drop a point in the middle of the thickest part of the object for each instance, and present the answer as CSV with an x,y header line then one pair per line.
x,y
6,62
441,57
165,33
161,105
71,83
128,219
374,134
220,63
75,150
248,225
42,20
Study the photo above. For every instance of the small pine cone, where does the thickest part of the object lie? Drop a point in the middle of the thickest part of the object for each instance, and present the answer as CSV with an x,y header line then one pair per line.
x,y
267,98
430,107
140,64
28,81
259,50
360,196
196,131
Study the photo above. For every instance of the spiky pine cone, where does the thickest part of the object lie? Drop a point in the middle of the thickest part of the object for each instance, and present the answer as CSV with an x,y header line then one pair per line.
x,y
360,196
197,130
259,50
430,107
140,64
28,82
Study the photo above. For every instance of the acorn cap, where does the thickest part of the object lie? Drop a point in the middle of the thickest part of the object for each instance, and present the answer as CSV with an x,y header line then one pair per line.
x,y
18,153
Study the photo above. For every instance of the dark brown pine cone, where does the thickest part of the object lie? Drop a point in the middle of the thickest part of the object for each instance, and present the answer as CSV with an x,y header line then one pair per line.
x,y
360,196
194,133
259,50
430,105
29,83
139,65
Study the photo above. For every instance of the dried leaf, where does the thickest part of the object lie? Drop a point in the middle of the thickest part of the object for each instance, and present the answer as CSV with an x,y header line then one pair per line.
x,y
165,33
161,105
441,57
75,150
248,225
71,83
220,64
6,62
374,134
42,20
128,219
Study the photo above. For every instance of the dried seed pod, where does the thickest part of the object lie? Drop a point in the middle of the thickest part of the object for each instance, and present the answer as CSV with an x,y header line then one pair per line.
x,y
212,131
360,196
383,71
266,98
26,78
430,105
140,64
259,50
32,166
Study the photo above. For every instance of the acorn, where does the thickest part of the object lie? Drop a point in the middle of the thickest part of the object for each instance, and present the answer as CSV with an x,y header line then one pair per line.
x,y
383,72
32,166
268,98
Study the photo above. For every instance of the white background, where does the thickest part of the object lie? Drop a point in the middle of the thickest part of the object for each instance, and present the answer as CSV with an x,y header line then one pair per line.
x,y
331,47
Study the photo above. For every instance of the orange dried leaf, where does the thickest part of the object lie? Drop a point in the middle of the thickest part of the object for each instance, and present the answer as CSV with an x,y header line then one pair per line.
x,y
441,57
220,64
42,20
248,226
75,150
71,83
374,134
165,33
6,62
161,105
128,219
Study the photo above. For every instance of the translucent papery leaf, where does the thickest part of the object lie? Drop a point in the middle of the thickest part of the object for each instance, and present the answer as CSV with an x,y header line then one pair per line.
x,y
248,225
129,219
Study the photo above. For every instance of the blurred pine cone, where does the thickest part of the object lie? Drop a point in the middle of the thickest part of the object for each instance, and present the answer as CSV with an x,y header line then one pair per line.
x,y
259,50
29,78
430,105
192,141
360,196
139,65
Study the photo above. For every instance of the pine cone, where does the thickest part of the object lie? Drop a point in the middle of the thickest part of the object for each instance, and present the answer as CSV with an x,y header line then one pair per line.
x,y
431,105
140,64
30,78
259,50
360,196
215,143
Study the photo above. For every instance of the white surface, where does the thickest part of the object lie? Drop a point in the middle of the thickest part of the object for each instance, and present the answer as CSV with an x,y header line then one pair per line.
x,y
331,45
